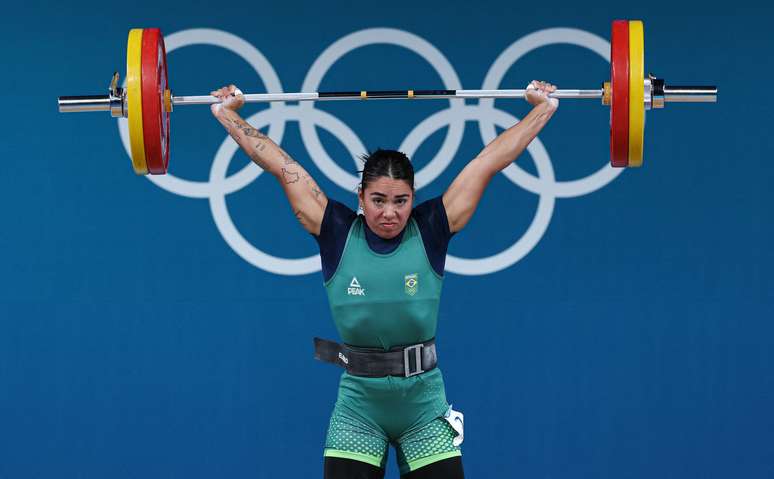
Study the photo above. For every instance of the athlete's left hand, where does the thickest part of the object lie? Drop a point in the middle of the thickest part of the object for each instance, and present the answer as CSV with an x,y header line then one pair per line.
x,y
537,93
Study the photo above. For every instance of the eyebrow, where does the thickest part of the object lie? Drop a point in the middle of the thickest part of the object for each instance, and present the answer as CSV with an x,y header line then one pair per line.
x,y
382,195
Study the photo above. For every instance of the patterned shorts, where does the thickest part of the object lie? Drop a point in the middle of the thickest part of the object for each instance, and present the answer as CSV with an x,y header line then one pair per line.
x,y
351,438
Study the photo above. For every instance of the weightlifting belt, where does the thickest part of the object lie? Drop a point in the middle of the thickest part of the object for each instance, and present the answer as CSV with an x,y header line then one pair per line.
x,y
405,361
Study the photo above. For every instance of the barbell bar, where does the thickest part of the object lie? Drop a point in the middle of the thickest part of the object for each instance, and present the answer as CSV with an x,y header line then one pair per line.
x,y
147,100
673,94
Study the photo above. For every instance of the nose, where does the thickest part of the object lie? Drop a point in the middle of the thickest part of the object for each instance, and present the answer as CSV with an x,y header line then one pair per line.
x,y
389,212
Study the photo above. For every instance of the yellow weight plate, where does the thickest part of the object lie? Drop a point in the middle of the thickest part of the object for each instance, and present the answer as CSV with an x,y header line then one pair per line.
x,y
134,100
636,92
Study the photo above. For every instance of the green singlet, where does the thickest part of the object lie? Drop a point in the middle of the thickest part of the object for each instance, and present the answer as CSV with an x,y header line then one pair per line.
x,y
382,301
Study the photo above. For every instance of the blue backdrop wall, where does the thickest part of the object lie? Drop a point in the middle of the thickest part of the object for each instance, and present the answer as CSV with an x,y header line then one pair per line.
x,y
163,328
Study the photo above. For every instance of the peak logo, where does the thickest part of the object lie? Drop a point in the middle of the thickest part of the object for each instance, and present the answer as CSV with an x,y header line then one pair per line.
x,y
354,288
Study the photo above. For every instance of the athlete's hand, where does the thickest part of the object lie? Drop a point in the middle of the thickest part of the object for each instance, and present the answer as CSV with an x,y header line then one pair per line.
x,y
230,97
537,93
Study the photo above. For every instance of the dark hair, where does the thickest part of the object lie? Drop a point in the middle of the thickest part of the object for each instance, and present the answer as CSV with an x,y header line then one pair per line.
x,y
390,163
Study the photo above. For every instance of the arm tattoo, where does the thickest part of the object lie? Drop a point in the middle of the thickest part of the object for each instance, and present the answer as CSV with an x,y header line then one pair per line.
x,y
247,129
255,155
250,131
238,124
290,176
288,159
311,184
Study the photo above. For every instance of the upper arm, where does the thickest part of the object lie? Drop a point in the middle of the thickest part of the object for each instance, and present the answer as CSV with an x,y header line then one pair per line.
x,y
304,194
463,195
434,228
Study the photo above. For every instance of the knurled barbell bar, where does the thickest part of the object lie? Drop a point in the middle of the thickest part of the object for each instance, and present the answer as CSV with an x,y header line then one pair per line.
x,y
147,100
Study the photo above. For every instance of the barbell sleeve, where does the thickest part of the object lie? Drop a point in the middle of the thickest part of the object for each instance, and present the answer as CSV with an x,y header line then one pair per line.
x,y
690,94
70,104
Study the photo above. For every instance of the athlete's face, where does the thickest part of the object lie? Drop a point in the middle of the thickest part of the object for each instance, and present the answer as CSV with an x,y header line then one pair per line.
x,y
386,205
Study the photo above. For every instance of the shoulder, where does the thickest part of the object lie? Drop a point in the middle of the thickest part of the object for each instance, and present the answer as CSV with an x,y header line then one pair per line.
x,y
433,226
432,214
336,216
334,229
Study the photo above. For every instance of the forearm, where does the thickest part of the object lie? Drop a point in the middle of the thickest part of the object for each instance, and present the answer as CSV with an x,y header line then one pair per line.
x,y
504,149
463,195
306,198
259,147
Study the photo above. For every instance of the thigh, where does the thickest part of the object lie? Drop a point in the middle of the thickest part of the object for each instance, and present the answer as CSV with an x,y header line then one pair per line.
x,y
446,469
424,447
352,439
338,468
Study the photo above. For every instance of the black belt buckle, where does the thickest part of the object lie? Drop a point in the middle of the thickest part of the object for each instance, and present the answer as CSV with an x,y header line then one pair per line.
x,y
417,349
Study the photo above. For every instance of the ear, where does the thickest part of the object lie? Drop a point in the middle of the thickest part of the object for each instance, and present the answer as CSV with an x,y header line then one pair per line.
x,y
360,196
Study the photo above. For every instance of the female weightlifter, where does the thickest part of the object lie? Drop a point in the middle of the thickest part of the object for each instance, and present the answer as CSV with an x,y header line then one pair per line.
x,y
383,272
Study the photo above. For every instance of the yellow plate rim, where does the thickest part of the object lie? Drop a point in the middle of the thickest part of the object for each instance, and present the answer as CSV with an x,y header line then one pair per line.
x,y
134,100
636,92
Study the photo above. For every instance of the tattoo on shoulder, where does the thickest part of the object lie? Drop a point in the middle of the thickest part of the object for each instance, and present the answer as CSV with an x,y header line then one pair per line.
x,y
289,176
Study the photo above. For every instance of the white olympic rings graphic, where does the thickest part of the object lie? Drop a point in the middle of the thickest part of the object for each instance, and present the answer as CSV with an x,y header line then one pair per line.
x,y
454,117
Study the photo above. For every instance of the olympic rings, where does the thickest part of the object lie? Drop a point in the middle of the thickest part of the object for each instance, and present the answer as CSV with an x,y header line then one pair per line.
x,y
454,117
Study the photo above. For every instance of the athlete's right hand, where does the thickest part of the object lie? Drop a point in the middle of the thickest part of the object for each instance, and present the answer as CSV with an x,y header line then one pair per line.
x,y
230,97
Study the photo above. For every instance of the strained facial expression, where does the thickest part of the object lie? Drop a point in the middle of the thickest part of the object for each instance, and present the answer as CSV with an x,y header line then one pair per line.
x,y
386,205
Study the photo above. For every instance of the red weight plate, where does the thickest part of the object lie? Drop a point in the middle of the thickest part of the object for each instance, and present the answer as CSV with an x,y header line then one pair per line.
x,y
155,117
619,104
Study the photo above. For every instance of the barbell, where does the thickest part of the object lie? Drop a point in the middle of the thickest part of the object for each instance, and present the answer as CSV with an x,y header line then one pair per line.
x,y
146,100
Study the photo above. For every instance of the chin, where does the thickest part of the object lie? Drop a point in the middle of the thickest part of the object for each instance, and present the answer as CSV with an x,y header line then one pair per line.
x,y
389,233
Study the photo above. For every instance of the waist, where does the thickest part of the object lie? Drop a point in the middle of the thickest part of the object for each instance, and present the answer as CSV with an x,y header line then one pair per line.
x,y
389,324
405,361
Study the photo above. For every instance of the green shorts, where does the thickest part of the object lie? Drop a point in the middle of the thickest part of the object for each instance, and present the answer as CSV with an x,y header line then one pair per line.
x,y
349,437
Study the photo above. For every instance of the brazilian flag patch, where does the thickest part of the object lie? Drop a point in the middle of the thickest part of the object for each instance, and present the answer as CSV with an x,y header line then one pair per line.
x,y
411,282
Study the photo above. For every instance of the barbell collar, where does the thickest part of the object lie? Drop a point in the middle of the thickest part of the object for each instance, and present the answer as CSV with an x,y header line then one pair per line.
x,y
114,101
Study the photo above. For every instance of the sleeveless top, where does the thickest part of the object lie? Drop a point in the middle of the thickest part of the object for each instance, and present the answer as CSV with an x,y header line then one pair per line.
x,y
384,300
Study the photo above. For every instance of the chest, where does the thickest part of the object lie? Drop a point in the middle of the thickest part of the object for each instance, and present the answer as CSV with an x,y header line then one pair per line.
x,y
403,275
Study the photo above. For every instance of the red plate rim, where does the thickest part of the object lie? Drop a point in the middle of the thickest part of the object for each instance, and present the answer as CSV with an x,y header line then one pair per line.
x,y
155,119
619,85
